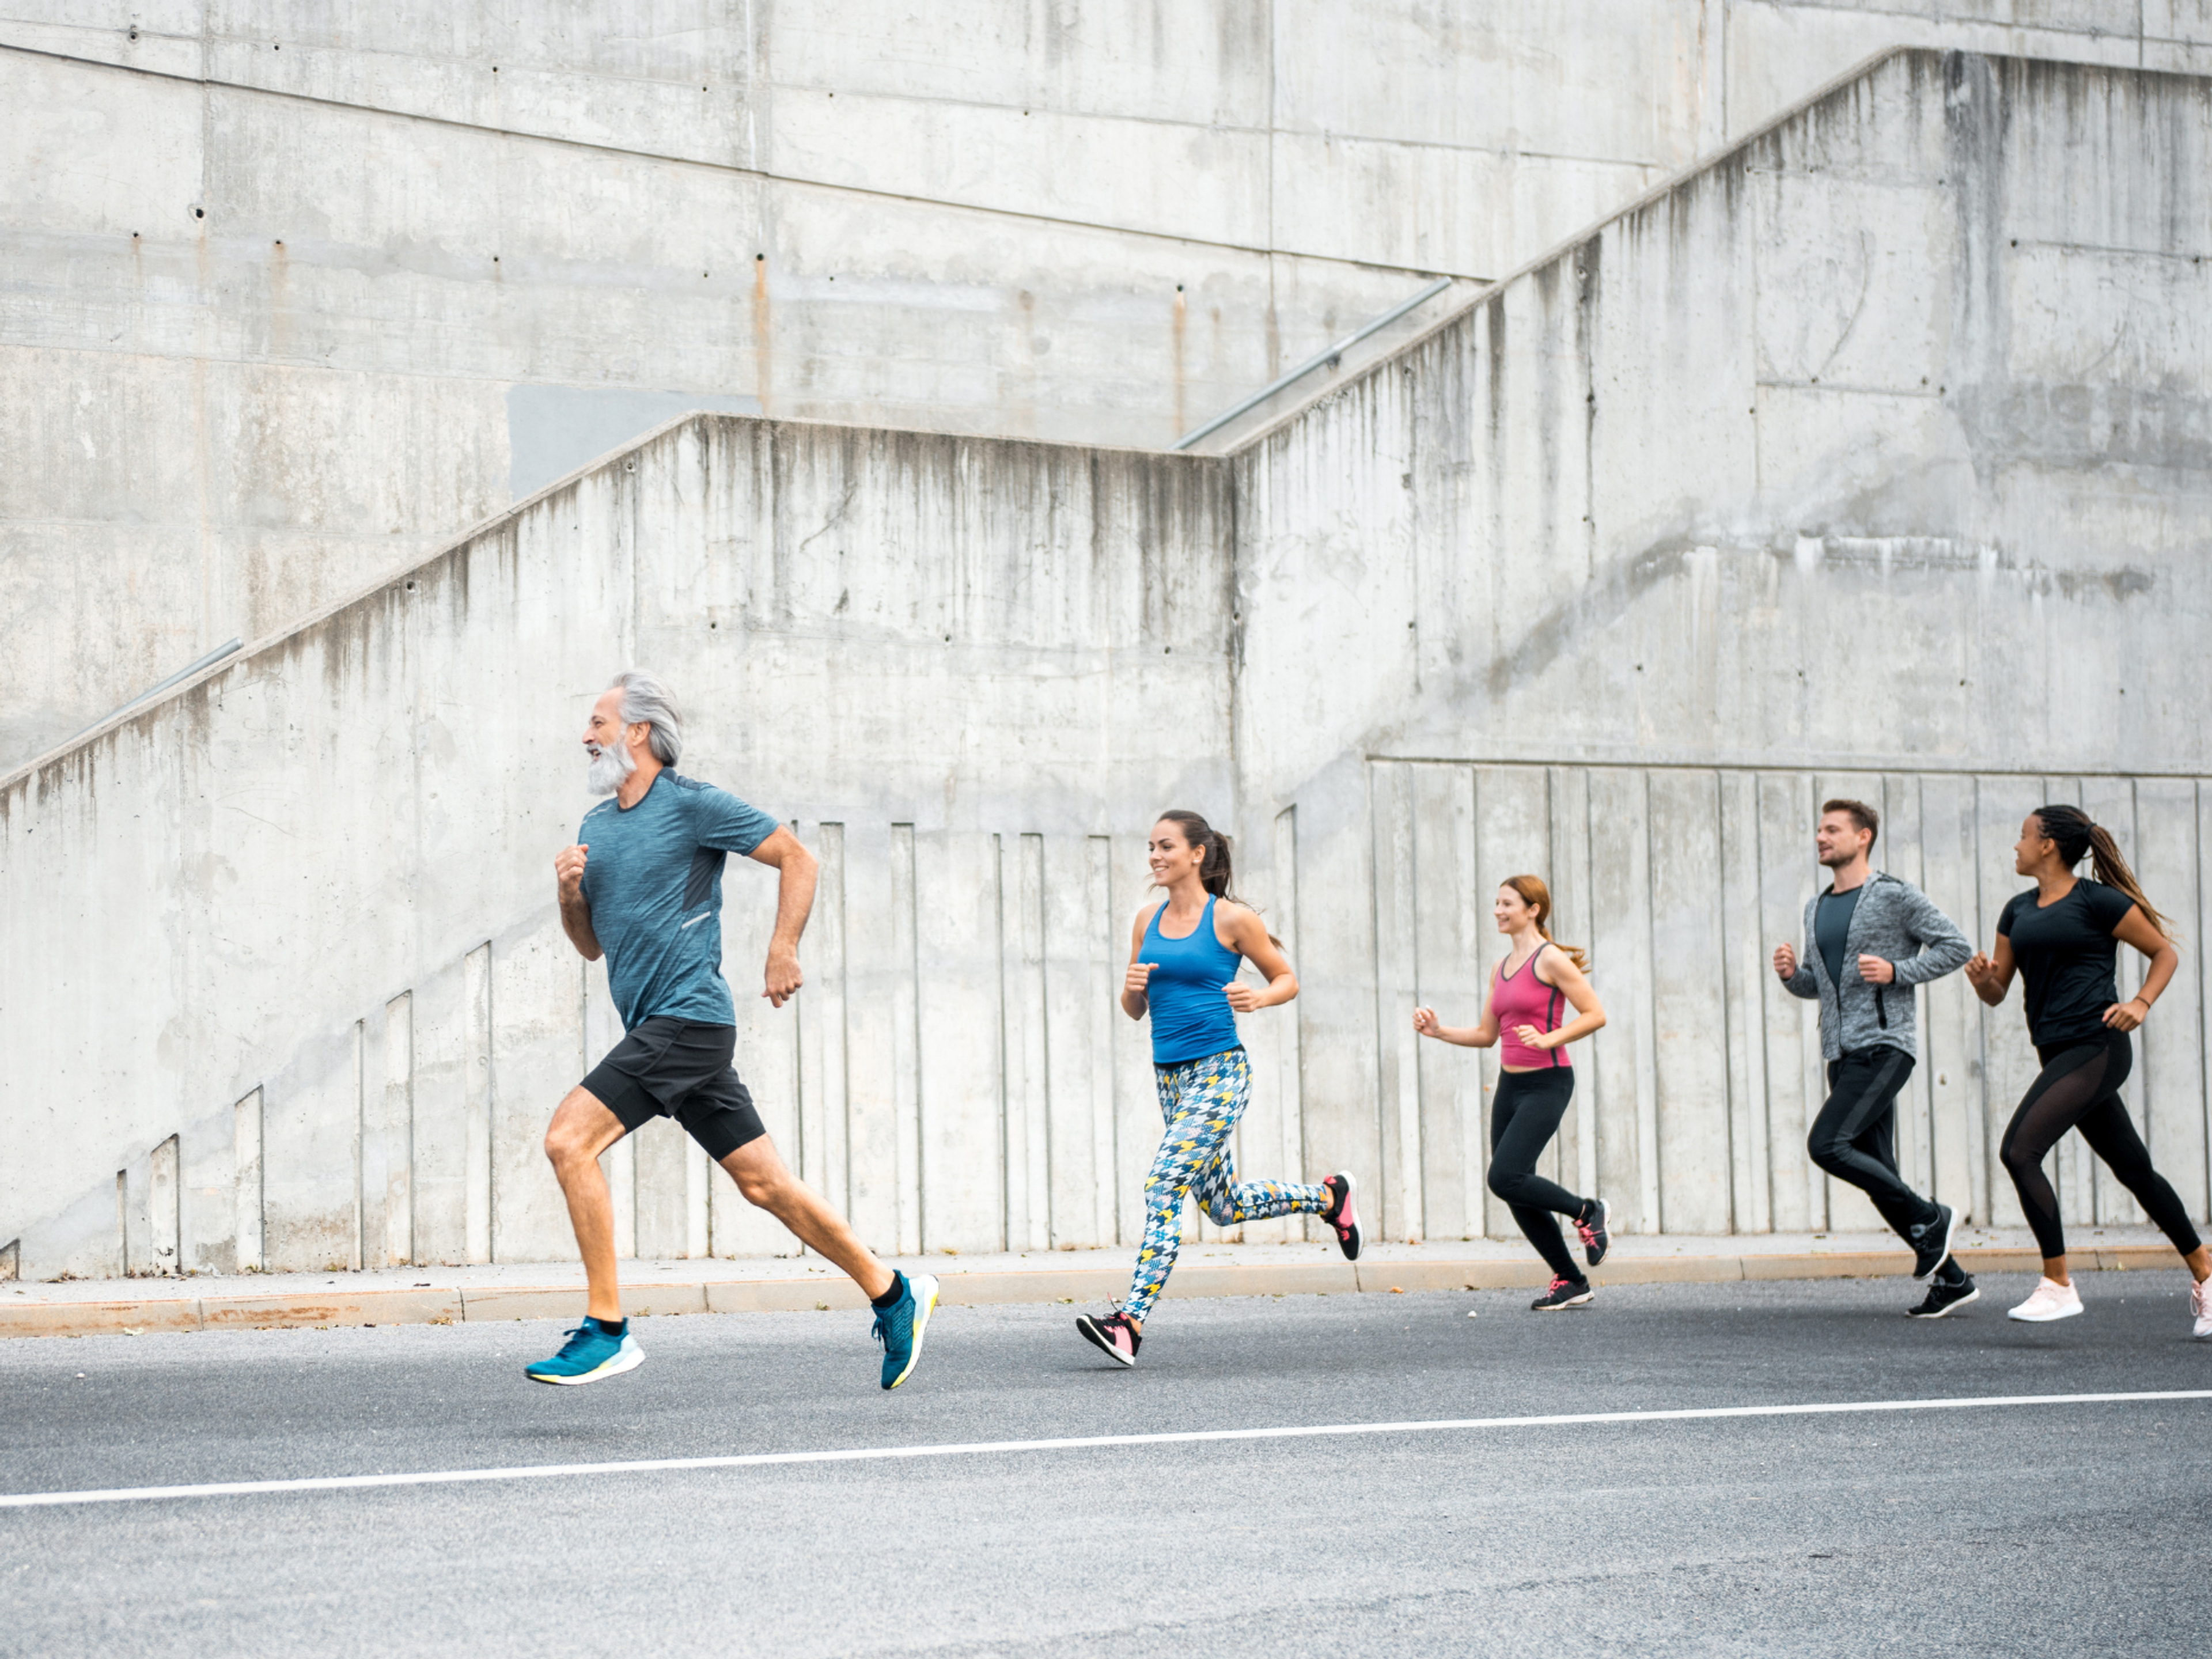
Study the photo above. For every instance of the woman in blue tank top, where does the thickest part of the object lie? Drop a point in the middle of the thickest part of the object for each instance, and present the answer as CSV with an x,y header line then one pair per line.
x,y
1184,955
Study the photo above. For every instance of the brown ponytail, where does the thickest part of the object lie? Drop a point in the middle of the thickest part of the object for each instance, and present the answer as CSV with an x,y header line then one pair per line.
x,y
2078,837
1215,872
1538,897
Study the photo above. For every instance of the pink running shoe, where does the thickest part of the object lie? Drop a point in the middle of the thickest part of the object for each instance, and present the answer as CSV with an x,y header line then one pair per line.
x,y
2050,1300
1564,1293
1341,1215
1113,1334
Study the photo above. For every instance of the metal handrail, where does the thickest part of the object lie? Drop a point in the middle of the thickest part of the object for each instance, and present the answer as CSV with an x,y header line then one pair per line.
x,y
1326,358
153,691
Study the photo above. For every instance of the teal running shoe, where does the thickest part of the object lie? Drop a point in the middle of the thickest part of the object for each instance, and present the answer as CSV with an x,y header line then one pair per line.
x,y
899,1328
593,1352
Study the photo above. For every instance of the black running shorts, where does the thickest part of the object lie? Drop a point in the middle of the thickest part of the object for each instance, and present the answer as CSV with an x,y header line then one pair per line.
x,y
675,1068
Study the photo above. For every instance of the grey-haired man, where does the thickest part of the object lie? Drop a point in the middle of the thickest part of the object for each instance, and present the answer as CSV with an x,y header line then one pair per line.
x,y
1873,937
643,887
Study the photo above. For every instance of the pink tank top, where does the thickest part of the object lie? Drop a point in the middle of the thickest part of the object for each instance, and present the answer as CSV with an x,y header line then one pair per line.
x,y
1521,999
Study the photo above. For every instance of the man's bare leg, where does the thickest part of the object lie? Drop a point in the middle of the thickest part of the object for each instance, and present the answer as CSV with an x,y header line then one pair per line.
x,y
581,1129
766,1180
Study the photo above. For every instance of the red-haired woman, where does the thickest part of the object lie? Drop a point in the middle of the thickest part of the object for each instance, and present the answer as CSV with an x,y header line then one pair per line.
x,y
1528,992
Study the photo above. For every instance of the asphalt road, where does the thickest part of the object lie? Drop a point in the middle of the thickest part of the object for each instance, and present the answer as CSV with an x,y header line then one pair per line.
x,y
2039,1529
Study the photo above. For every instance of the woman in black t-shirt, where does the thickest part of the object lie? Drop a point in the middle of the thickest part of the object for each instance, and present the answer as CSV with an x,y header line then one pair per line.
x,y
2064,938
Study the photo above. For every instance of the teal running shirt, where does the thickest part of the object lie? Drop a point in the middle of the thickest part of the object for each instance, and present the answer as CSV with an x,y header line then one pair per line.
x,y
652,876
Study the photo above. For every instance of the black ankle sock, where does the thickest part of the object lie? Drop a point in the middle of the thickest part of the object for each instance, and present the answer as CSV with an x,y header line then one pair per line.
x,y
1587,1212
1950,1272
614,1327
891,1296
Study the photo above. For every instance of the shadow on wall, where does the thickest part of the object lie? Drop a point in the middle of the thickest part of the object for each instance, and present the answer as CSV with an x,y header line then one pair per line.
x,y
553,430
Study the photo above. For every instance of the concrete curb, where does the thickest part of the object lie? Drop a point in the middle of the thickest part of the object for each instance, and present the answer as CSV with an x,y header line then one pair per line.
x,y
370,1307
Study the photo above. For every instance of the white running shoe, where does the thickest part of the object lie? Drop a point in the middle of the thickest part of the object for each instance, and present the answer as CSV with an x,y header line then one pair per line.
x,y
2050,1300
2200,1303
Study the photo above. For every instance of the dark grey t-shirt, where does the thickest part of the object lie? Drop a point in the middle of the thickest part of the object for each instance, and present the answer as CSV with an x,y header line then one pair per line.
x,y
1831,927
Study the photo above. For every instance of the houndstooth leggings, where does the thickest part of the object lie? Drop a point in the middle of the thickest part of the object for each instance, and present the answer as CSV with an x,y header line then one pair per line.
x,y
1201,1101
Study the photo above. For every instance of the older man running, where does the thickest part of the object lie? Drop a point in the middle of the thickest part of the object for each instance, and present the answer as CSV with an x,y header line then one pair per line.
x,y
643,887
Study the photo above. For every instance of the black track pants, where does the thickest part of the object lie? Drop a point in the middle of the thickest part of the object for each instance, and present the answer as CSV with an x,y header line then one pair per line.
x,y
1524,1115
1854,1137
2079,1088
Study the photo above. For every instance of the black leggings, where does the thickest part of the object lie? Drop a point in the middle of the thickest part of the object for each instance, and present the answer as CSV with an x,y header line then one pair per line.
x,y
1854,1137
1524,1115
2079,1088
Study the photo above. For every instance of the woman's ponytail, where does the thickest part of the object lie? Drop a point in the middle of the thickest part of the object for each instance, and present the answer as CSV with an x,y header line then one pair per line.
x,y
2079,837
1538,897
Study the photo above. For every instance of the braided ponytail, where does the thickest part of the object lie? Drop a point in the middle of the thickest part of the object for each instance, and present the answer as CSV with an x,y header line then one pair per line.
x,y
2078,837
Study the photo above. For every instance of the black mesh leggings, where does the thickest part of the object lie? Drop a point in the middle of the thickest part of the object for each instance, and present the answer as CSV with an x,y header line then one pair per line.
x,y
2079,1088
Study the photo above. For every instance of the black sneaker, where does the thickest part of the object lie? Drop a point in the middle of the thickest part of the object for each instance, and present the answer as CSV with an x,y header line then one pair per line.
x,y
1942,1298
1931,1241
1596,1240
1114,1333
1340,1214
1564,1293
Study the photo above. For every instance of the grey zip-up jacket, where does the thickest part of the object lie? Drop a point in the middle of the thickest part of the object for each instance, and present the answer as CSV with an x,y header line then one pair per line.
x,y
1894,920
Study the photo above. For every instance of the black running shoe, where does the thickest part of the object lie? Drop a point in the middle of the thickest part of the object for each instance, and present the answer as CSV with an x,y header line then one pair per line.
x,y
1931,1241
1340,1214
1564,1293
1942,1298
1113,1334
1596,1240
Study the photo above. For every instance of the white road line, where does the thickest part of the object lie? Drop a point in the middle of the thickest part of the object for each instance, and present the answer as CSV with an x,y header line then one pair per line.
x,y
987,1448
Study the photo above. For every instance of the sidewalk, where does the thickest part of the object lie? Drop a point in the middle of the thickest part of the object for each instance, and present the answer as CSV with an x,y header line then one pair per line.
x,y
418,1296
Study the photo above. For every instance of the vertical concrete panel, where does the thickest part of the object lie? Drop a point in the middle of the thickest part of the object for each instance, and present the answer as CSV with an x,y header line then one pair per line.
x,y
2008,1062
1021,951
877,981
602,1032
1795,1079
1451,917
1290,1124
2170,1055
1137,1124
1903,853
163,1208
1849,1210
2073,1170
1620,934
1951,1028
478,1102
822,1126
1690,1014
1746,970
207,1219
659,1155
767,1055
1512,836
1340,1074
1076,938
1390,795
247,1200
438,1134
956,930
1259,1142
311,1125
1568,871
905,1002
537,1056
2111,802
397,1131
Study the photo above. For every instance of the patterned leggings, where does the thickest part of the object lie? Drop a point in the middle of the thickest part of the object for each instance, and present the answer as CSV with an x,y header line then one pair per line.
x,y
1201,1101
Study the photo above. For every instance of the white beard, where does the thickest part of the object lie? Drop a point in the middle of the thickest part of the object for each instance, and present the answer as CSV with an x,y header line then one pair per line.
x,y
609,768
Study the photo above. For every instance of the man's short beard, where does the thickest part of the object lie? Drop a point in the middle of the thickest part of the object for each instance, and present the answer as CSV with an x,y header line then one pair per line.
x,y
610,767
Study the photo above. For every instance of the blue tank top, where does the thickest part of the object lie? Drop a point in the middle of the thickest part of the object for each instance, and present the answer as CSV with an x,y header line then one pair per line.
x,y
1191,1018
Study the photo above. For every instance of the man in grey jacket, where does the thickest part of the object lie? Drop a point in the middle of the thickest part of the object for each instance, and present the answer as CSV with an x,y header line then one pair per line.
x,y
1873,937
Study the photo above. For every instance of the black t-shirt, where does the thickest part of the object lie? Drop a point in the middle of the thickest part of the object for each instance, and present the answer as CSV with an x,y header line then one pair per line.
x,y
2067,956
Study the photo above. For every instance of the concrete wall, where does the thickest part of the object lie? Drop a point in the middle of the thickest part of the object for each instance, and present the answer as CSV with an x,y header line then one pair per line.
x,y
1871,457
1877,447
449,253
